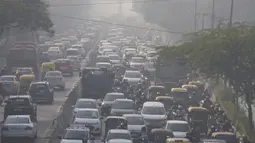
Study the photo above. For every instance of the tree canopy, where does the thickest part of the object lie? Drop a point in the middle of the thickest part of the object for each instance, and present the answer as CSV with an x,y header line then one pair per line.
x,y
29,15
228,53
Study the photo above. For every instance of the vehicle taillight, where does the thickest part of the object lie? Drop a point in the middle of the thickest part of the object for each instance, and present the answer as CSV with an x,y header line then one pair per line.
x,y
28,128
5,128
70,65
14,83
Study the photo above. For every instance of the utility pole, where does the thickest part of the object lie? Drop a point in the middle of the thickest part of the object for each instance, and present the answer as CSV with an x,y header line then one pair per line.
x,y
213,13
203,21
195,16
231,13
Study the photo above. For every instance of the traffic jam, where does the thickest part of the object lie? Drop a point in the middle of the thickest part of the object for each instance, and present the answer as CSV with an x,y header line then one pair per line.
x,y
128,95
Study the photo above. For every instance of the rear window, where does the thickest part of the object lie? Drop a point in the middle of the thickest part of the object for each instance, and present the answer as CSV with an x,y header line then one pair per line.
x,y
38,87
18,120
72,52
63,62
4,78
19,101
53,74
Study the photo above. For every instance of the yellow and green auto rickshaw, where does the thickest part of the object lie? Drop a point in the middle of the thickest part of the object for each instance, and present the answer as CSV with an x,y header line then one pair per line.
x,y
198,118
177,140
200,85
191,88
114,122
24,83
47,66
229,137
179,95
155,91
166,100
160,135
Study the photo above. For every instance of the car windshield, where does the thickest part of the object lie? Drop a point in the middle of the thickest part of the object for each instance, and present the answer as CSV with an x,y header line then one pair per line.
x,y
175,127
73,58
103,59
132,74
135,120
53,74
73,134
17,120
149,66
86,104
114,57
111,97
6,78
154,110
123,105
111,136
87,114
25,71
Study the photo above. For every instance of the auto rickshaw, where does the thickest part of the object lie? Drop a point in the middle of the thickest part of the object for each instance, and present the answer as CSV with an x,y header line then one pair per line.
x,y
179,95
191,88
155,91
114,122
25,81
198,118
159,135
177,140
229,137
47,66
166,100
200,85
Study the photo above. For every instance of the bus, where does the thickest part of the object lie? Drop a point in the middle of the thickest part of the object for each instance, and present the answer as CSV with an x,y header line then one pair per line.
x,y
24,54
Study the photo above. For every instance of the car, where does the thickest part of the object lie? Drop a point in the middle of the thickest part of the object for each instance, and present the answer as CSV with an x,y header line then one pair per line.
x,y
74,52
154,114
65,66
122,106
75,62
73,39
103,59
88,117
77,134
55,53
83,103
18,126
115,59
137,62
41,92
55,79
213,141
118,134
120,141
10,83
178,127
135,124
20,105
132,77
24,70
80,48
111,97
104,65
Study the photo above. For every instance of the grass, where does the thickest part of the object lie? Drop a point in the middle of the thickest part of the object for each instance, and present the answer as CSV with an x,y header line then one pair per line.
x,y
225,96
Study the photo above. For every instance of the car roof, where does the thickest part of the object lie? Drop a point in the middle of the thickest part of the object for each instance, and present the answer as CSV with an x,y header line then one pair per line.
x,y
72,49
137,58
177,121
24,68
132,115
130,71
153,104
63,60
119,131
18,116
40,82
120,141
77,128
53,72
115,93
20,96
8,76
87,109
126,100
213,141
86,99
103,63
71,141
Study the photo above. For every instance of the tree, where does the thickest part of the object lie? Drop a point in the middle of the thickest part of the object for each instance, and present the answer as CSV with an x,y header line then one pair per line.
x,y
26,15
227,53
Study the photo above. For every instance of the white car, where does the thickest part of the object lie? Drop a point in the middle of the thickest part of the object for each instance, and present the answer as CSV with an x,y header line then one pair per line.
x,y
135,124
10,83
118,134
74,52
115,59
54,53
122,106
154,114
83,103
89,117
19,126
133,77
103,59
56,79
104,65
120,141
80,48
178,127
137,62
75,62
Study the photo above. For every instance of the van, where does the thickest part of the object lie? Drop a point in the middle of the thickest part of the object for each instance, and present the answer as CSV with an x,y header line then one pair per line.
x,y
73,52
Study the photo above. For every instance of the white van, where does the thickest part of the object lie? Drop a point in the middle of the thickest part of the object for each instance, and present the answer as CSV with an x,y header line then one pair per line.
x,y
74,52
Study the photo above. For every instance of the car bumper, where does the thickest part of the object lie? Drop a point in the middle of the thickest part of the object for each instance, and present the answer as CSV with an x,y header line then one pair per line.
x,y
18,135
57,84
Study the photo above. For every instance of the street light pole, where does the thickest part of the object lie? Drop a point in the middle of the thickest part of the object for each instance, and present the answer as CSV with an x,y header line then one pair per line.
x,y
231,13
213,13
195,16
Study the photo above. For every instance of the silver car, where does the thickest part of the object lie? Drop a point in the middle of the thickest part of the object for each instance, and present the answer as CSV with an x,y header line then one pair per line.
x,y
55,78
135,124
19,126
10,83
75,62
123,106
133,77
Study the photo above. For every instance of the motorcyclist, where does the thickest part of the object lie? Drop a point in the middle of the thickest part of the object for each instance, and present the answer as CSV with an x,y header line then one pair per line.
x,y
207,103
